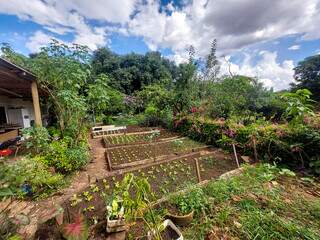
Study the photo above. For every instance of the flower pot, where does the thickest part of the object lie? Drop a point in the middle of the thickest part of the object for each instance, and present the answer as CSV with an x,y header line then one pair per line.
x,y
181,220
170,232
117,236
117,225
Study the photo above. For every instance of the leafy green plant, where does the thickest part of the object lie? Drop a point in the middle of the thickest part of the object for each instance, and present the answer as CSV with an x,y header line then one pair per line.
x,y
65,157
31,172
194,200
37,138
78,230
299,105
135,195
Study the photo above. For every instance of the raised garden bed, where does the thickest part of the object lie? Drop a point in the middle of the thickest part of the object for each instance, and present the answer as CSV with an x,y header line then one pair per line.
x,y
142,154
127,130
137,138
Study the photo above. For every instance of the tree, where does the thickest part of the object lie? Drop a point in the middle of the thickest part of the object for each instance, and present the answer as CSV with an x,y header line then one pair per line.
x,y
131,72
97,95
236,95
307,75
212,65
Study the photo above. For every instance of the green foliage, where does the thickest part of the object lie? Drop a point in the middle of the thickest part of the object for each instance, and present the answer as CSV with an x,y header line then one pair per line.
x,y
257,204
307,75
135,195
194,200
78,230
97,94
65,157
102,99
237,95
27,171
131,72
294,146
37,138
186,89
63,71
156,102
299,105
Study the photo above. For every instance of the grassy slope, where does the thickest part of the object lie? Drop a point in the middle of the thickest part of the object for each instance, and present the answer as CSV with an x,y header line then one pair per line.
x,y
262,203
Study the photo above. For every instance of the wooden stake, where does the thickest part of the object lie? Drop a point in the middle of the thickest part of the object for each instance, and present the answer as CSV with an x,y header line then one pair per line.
x,y
108,161
235,154
255,149
198,169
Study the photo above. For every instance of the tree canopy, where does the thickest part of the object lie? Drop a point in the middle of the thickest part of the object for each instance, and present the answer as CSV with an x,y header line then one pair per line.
x,y
131,72
307,75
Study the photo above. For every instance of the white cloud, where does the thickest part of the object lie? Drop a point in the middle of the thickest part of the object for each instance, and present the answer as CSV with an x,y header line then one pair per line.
x,y
267,69
118,11
38,40
63,17
294,47
91,38
236,24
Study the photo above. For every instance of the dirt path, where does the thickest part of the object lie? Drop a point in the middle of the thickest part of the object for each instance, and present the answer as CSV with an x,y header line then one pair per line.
x,y
41,211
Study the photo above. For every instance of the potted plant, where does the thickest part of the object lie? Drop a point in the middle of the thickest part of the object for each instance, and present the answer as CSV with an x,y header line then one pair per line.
x,y
182,208
115,216
182,219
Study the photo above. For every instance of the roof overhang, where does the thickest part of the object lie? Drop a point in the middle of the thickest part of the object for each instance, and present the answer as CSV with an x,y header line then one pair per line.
x,y
15,81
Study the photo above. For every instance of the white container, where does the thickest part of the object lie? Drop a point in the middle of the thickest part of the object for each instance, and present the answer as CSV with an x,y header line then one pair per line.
x,y
168,223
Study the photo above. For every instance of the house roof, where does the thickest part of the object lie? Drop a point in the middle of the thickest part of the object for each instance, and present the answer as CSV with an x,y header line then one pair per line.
x,y
14,80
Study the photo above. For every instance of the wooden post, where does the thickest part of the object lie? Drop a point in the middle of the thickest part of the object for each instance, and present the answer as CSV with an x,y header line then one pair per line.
x,y
235,154
36,104
198,169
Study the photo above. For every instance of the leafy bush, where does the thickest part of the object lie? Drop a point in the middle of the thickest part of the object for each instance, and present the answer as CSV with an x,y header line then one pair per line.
x,y
299,105
28,171
295,146
233,96
37,138
65,157
194,200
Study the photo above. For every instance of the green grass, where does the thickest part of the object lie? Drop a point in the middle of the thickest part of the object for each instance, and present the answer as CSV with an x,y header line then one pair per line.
x,y
261,203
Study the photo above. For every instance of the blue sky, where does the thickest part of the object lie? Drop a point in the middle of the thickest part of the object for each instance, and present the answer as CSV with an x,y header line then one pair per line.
x,y
259,38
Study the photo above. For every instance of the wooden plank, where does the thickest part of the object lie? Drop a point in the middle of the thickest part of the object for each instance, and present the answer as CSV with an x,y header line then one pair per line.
x,y
121,133
109,164
146,143
9,135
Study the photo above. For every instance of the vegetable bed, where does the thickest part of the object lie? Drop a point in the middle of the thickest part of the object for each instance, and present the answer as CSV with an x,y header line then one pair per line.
x,y
124,139
151,152
164,178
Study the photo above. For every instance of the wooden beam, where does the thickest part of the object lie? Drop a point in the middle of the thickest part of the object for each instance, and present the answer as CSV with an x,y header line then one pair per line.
x,y
10,92
36,104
